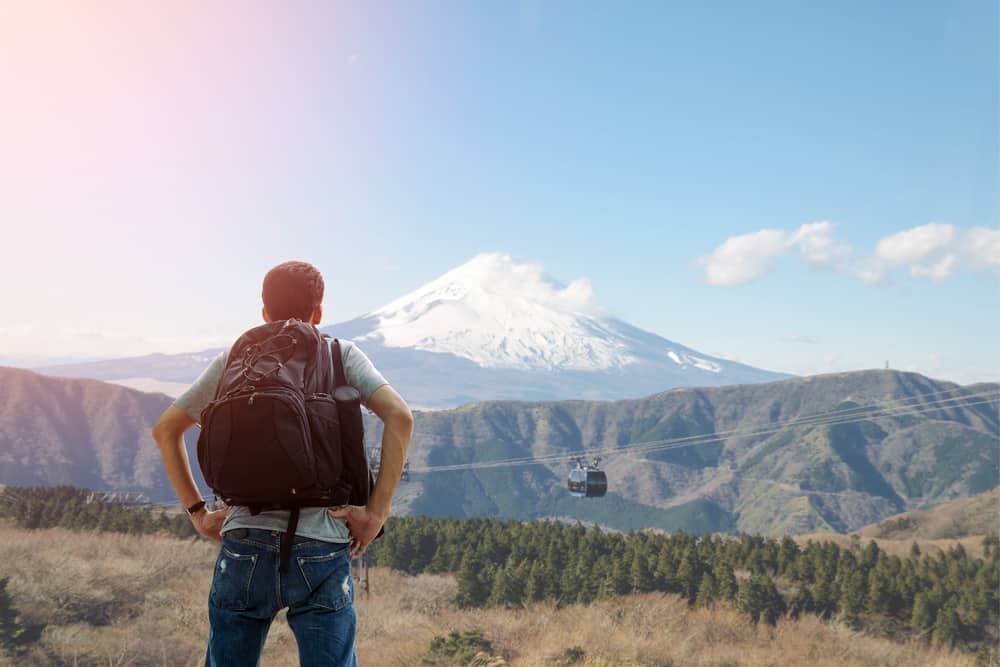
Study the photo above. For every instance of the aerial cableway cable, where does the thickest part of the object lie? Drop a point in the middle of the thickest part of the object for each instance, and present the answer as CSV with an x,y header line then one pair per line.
x,y
774,428
811,420
707,438
842,416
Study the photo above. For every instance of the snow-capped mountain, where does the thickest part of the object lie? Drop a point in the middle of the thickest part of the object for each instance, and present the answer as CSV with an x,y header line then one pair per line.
x,y
493,328
500,313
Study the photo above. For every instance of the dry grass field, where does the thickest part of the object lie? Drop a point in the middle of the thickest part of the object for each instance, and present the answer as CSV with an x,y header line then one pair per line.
x,y
973,544
116,600
964,521
976,515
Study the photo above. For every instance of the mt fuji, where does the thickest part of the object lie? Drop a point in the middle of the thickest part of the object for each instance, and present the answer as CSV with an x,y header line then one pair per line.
x,y
492,328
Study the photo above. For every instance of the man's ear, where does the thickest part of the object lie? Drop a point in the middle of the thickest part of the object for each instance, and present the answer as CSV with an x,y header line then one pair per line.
x,y
317,314
263,313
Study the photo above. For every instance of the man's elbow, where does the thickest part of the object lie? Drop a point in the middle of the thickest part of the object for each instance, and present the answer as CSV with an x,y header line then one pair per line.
x,y
161,433
166,431
403,419
400,418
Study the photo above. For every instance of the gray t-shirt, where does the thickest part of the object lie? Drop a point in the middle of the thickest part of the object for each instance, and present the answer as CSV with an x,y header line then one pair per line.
x,y
314,522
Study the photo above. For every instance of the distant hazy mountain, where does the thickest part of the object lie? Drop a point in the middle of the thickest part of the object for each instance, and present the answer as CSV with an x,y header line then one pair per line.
x,y
794,456
179,369
493,328
81,432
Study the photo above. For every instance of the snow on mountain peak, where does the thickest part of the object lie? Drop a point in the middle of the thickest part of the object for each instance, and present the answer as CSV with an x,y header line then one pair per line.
x,y
502,277
503,313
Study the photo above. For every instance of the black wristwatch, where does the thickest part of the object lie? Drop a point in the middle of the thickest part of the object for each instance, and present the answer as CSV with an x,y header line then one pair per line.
x,y
194,508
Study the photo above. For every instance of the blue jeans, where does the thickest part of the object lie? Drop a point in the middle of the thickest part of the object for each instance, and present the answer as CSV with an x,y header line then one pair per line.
x,y
248,591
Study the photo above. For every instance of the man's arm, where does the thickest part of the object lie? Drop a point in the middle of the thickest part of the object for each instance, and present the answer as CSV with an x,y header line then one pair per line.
x,y
365,522
169,436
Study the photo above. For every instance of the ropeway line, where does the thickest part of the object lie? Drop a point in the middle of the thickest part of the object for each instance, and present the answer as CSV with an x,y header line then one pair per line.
x,y
831,418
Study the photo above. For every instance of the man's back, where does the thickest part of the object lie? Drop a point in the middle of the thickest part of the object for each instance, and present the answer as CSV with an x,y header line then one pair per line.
x,y
314,522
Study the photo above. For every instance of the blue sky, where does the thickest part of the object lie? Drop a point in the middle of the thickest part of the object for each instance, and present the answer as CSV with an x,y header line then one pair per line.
x,y
162,159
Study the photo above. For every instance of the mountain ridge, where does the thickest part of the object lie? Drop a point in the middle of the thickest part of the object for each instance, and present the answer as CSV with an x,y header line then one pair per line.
x,y
766,463
797,478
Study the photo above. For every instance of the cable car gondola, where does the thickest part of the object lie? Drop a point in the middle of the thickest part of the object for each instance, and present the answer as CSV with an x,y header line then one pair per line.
x,y
587,481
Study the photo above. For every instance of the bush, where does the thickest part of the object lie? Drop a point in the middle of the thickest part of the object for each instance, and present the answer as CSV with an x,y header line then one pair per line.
x,y
571,656
15,634
456,648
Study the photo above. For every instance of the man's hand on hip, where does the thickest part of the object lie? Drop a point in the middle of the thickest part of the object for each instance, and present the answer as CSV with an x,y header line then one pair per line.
x,y
209,523
362,524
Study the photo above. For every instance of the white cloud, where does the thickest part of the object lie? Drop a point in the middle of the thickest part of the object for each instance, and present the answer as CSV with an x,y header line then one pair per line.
x,y
577,296
940,270
935,251
914,245
797,338
743,258
870,270
817,247
513,277
981,246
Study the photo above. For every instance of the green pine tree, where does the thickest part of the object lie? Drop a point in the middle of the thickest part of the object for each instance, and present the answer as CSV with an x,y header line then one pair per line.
x,y
923,614
706,591
946,625
725,581
760,598
641,578
11,630
803,602
879,590
620,577
474,584
852,599
508,589
688,575
534,587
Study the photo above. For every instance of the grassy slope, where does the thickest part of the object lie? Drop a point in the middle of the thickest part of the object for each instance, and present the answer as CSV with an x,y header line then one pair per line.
x,y
964,521
121,599
976,515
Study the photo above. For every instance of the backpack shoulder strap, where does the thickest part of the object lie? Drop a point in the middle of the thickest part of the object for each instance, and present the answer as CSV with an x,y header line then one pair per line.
x,y
339,377
321,366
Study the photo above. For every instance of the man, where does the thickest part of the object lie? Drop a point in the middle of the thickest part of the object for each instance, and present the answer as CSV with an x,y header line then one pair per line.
x,y
247,587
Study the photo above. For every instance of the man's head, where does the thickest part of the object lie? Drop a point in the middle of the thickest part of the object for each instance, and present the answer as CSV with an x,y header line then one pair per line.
x,y
293,289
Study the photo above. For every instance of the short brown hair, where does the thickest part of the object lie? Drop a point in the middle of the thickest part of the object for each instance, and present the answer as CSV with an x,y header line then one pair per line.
x,y
292,289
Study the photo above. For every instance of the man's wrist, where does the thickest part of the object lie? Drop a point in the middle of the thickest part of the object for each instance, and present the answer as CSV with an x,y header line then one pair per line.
x,y
194,508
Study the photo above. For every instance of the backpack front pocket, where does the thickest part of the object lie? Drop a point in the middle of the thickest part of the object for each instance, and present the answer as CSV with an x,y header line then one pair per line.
x,y
256,447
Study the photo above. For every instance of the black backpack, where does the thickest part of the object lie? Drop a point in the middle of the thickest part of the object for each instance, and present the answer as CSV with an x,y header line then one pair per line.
x,y
282,433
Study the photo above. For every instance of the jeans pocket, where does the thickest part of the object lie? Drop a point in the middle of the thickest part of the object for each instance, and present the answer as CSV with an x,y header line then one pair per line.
x,y
328,577
232,580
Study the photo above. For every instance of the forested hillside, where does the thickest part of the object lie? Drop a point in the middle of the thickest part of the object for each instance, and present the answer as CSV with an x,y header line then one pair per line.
x,y
949,598
82,509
